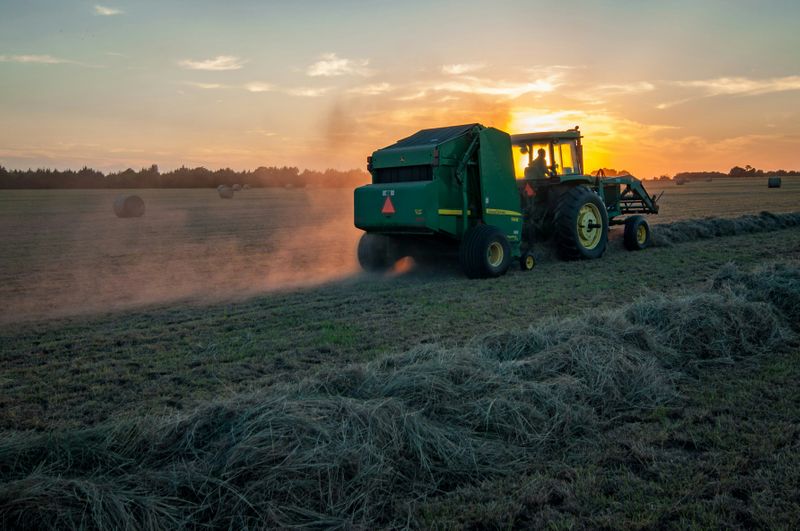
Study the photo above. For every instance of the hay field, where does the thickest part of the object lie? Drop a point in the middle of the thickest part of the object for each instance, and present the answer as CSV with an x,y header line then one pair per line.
x,y
724,198
64,252
653,389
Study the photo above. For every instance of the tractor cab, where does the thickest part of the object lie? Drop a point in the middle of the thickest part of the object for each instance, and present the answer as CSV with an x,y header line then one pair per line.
x,y
546,155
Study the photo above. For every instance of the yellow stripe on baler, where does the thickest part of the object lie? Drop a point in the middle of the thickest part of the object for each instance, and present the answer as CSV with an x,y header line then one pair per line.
x,y
490,211
500,212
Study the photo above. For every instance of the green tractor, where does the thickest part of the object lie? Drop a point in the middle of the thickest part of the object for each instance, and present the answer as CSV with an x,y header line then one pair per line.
x,y
490,195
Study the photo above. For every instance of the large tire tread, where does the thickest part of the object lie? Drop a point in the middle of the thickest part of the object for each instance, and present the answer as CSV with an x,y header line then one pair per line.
x,y
472,252
564,221
632,225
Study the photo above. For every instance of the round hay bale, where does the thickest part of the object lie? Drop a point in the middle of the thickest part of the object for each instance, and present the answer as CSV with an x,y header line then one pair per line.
x,y
245,187
226,193
129,206
774,182
236,187
680,181
220,187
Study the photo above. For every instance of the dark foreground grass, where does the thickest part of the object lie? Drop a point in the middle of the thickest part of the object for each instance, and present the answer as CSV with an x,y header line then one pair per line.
x,y
726,456
393,442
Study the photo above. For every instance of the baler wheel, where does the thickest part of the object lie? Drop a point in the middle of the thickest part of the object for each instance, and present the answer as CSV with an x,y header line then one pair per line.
x,y
527,261
484,252
637,233
375,252
581,224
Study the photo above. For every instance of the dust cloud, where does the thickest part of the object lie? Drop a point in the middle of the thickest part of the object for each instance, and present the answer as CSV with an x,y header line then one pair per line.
x,y
65,254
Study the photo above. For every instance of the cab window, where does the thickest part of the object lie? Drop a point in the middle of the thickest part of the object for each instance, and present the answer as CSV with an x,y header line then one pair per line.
x,y
566,157
526,155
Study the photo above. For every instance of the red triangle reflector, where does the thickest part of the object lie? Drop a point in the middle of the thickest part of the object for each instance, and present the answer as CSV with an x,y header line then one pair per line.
x,y
528,190
388,207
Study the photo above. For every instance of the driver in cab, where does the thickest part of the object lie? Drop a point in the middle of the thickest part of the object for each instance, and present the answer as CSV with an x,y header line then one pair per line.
x,y
537,169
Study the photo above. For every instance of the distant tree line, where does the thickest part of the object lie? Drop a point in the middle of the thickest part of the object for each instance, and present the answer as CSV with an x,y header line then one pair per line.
x,y
610,172
736,171
286,177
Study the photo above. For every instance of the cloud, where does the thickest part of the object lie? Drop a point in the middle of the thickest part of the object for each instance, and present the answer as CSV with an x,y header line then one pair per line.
x,y
258,86
418,95
371,90
207,86
485,87
743,85
734,86
262,86
308,92
43,60
332,65
462,68
625,88
35,59
218,63
107,11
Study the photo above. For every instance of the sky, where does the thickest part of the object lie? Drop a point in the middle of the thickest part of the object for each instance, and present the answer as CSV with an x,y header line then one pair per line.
x,y
657,87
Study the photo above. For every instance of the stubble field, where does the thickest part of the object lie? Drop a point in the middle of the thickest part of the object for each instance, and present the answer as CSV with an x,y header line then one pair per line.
x,y
205,302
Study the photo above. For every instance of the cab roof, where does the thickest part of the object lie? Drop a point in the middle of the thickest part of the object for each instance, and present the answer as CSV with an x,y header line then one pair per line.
x,y
524,138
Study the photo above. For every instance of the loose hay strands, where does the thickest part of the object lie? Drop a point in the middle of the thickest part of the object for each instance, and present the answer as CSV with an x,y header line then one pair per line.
x,y
357,447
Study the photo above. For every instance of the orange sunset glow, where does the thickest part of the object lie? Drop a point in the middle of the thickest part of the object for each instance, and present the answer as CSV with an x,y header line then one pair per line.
x,y
245,85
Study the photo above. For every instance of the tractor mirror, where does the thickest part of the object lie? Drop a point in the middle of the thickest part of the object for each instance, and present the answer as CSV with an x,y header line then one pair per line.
x,y
523,150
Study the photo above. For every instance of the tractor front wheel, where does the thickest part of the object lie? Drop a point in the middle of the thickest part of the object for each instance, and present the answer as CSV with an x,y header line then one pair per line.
x,y
375,252
637,233
581,224
484,252
527,261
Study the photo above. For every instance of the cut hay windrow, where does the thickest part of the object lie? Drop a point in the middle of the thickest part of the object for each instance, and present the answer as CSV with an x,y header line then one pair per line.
x,y
360,446
713,227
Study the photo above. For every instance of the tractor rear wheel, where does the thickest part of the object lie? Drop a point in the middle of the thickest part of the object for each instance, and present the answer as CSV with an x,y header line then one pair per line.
x,y
484,252
637,233
581,224
375,252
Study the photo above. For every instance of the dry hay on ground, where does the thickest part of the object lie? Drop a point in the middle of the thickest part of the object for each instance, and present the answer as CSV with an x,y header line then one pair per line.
x,y
358,447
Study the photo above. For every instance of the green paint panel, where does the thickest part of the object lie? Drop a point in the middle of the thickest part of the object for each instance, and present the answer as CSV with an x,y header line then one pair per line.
x,y
500,201
414,206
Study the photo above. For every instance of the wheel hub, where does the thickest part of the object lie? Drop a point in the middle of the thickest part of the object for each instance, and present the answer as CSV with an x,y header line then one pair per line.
x,y
589,226
495,254
641,234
